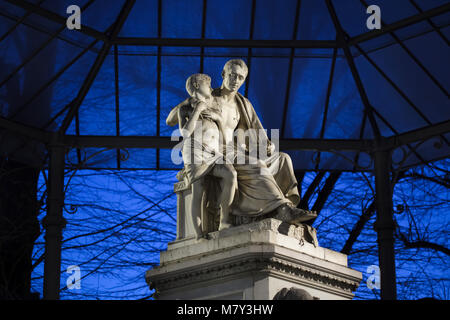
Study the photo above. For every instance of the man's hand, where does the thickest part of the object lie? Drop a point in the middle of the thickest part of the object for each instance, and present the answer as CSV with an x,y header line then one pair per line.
x,y
212,115
199,106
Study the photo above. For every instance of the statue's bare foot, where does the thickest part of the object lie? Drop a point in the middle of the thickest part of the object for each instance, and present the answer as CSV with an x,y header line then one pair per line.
x,y
224,225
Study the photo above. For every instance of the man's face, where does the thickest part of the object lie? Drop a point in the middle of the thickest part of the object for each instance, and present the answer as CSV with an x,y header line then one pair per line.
x,y
233,77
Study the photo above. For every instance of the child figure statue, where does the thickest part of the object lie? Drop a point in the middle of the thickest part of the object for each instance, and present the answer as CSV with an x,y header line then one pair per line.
x,y
203,149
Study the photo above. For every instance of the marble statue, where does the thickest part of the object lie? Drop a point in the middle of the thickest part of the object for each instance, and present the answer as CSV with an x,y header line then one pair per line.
x,y
204,156
220,128
240,235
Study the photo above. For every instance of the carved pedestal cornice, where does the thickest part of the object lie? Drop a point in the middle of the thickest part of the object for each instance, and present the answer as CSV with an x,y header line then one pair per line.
x,y
257,263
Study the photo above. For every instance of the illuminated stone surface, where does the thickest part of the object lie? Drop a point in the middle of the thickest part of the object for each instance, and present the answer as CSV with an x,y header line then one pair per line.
x,y
252,261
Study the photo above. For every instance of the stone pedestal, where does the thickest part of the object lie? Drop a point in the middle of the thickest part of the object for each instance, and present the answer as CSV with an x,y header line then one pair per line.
x,y
252,262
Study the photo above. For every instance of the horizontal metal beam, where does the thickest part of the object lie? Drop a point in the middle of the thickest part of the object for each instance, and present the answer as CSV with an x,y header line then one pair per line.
x,y
24,130
166,143
364,145
232,42
119,142
400,24
418,135
226,43
326,144
50,15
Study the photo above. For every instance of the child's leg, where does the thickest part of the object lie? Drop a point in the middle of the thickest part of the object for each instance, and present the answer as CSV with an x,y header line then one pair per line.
x,y
196,207
228,183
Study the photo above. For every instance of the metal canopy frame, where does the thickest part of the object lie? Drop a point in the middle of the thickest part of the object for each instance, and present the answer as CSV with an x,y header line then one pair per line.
x,y
380,147
110,39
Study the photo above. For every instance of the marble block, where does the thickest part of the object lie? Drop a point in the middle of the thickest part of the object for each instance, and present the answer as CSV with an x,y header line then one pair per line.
x,y
251,262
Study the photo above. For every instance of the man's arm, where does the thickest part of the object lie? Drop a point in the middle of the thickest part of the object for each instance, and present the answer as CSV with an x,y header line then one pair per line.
x,y
172,118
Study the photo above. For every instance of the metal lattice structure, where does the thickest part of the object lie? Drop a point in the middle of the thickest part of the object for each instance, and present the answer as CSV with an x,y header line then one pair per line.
x,y
379,100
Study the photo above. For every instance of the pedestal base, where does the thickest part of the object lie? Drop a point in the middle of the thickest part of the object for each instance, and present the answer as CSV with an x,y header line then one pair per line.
x,y
251,262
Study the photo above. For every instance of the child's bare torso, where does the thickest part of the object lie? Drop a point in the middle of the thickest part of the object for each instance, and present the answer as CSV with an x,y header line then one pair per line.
x,y
207,128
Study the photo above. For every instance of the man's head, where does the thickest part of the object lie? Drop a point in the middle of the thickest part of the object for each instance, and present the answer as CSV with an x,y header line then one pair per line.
x,y
199,85
234,73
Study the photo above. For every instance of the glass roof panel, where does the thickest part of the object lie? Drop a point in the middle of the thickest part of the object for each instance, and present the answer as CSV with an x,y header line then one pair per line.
x,y
441,20
60,6
65,88
142,20
267,89
313,23
51,66
137,93
182,19
307,97
8,9
273,20
97,113
413,31
412,80
352,16
226,52
228,19
17,47
430,4
446,32
431,51
390,104
345,109
101,15
392,11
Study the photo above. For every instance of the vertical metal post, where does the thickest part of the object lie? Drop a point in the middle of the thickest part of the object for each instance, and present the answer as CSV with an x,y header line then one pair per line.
x,y
158,82
54,221
385,224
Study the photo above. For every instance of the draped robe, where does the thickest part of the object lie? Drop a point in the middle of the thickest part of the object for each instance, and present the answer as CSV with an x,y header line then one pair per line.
x,y
258,193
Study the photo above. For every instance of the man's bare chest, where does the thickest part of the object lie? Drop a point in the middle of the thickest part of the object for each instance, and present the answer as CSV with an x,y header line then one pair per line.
x,y
230,114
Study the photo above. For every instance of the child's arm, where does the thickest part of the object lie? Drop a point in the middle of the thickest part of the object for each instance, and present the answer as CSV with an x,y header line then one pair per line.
x,y
188,120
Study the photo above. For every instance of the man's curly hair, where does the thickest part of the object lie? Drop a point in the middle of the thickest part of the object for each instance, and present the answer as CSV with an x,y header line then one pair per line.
x,y
238,62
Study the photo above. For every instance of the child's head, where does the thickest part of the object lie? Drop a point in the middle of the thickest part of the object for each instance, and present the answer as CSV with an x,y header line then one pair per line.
x,y
199,85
